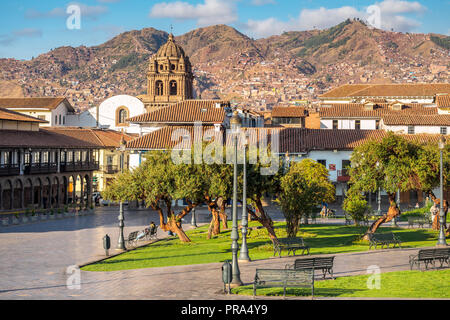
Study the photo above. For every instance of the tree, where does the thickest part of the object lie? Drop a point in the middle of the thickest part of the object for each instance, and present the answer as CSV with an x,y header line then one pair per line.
x,y
261,181
392,165
303,188
355,205
427,170
158,181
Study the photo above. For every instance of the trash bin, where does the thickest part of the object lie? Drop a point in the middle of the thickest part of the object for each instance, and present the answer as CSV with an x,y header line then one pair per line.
x,y
106,244
227,275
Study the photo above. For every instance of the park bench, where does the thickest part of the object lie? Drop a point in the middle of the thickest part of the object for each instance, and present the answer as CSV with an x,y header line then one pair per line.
x,y
131,240
420,221
151,233
284,278
318,263
289,244
430,256
383,239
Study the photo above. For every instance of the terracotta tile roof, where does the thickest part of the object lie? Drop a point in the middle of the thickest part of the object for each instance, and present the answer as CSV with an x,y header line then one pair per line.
x,y
30,103
357,110
388,90
418,120
43,139
188,111
167,138
101,138
344,91
289,112
6,114
443,101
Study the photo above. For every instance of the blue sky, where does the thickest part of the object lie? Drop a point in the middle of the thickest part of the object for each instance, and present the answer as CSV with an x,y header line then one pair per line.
x,y
29,27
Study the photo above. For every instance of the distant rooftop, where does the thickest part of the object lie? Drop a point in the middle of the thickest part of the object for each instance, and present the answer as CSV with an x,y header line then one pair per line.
x,y
37,103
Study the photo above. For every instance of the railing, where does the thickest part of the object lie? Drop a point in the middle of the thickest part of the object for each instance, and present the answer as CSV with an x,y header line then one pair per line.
x,y
343,176
79,166
37,168
110,169
9,170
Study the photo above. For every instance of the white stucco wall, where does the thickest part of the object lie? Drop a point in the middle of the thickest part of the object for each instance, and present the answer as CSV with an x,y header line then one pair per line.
x,y
366,124
107,114
417,129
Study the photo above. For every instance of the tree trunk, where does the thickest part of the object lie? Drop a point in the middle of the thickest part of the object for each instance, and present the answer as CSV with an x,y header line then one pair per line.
x,y
172,224
214,226
392,213
436,224
262,218
223,215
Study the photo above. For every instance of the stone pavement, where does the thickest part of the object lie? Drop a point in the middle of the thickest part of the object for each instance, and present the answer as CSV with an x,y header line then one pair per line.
x,y
35,259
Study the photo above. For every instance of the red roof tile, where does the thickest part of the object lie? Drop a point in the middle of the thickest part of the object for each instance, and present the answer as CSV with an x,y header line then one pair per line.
x,y
188,111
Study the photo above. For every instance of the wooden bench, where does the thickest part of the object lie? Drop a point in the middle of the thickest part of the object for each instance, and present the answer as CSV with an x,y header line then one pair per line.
x,y
430,256
289,244
131,240
420,221
284,278
322,263
151,233
383,239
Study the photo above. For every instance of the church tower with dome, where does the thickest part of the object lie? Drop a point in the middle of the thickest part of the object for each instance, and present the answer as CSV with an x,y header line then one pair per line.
x,y
170,78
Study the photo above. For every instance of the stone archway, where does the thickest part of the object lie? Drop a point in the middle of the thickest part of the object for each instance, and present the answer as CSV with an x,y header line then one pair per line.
x,y
28,194
38,193
7,195
18,195
55,194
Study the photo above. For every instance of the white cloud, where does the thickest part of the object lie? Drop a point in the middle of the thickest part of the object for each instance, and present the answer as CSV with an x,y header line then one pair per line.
x,y
399,6
390,18
263,2
208,13
86,11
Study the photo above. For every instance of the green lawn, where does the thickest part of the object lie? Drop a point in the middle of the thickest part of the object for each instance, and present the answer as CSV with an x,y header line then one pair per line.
x,y
402,284
323,239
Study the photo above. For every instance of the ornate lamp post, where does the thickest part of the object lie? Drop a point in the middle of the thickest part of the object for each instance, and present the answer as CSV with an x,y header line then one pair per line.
x,y
194,219
244,221
121,242
236,277
441,239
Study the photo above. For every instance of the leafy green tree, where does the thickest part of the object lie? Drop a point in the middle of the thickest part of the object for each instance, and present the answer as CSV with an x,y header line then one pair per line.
x,y
386,164
355,205
305,186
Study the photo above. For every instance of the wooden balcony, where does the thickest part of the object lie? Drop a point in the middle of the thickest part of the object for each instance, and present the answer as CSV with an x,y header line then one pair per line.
x,y
342,176
9,170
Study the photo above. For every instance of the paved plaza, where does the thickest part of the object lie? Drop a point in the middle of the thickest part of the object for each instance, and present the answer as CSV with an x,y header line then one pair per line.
x,y
36,257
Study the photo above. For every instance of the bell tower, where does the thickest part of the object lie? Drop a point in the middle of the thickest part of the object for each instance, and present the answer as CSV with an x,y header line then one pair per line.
x,y
169,77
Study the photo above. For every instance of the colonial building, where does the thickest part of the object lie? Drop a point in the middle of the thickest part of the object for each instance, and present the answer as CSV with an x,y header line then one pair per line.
x,y
169,77
424,93
55,111
42,168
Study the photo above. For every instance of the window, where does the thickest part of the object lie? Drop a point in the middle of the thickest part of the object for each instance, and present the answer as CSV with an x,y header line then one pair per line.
x,y
64,119
357,124
345,165
411,130
443,130
323,162
122,116
377,125
56,119
159,89
335,124
60,120
173,88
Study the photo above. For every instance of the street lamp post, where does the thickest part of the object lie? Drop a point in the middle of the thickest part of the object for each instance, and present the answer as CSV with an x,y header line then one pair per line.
x,y
121,241
194,219
236,275
379,201
394,221
441,238
244,221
